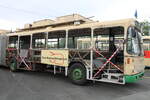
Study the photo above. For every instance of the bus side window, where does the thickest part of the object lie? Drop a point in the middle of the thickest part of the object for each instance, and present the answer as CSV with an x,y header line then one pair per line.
x,y
39,40
24,42
52,43
13,42
75,36
56,39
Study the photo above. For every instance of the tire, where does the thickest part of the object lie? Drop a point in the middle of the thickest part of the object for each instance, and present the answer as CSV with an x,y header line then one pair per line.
x,y
13,65
77,74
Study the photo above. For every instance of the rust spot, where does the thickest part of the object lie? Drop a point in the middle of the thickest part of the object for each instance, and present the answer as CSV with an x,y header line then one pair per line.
x,y
128,60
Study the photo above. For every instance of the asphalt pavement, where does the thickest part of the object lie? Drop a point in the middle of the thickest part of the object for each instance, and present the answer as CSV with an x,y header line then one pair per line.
x,y
25,85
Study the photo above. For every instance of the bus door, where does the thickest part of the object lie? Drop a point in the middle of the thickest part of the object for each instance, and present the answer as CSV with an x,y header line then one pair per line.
x,y
24,51
107,42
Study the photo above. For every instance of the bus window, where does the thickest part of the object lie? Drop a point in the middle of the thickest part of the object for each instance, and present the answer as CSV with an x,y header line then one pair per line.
x,y
133,43
101,36
52,43
24,42
56,39
119,39
39,40
103,44
107,39
75,35
13,42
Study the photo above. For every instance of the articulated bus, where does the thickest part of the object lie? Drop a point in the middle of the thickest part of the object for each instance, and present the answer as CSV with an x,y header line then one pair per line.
x,y
146,44
60,49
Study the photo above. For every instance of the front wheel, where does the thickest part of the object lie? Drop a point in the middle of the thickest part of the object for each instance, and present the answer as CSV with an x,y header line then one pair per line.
x,y
77,74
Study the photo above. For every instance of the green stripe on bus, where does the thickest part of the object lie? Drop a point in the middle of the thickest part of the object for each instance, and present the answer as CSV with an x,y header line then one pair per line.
x,y
133,78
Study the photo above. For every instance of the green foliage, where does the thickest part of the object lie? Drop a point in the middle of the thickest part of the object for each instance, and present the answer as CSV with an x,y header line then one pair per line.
x,y
145,27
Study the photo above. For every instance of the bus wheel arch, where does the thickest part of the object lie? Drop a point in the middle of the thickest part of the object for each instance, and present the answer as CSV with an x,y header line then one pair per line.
x,y
77,73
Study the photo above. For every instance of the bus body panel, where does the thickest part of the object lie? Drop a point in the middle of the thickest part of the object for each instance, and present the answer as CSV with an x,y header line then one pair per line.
x,y
134,69
3,41
138,65
146,45
147,58
147,62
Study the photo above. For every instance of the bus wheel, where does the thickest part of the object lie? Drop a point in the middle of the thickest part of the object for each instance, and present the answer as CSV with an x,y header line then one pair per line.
x,y
77,74
13,65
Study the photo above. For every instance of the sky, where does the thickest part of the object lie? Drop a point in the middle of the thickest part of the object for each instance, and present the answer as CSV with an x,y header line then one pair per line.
x,y
15,13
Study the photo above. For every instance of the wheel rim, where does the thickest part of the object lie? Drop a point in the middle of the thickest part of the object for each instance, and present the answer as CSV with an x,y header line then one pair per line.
x,y
77,74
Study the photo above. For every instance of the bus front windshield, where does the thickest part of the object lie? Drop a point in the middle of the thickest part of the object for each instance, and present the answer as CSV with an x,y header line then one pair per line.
x,y
134,42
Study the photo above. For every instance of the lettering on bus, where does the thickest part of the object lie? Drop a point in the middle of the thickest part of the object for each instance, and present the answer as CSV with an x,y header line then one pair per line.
x,y
55,57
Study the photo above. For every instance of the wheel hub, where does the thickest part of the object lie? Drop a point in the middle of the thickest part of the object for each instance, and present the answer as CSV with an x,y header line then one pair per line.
x,y
77,74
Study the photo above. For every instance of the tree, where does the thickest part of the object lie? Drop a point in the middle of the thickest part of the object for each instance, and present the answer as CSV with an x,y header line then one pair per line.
x,y
145,27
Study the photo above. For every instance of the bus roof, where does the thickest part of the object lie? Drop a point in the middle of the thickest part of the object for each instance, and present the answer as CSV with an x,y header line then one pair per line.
x,y
122,22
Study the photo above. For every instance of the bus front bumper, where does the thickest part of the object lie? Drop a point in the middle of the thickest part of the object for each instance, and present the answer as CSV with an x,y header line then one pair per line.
x,y
133,78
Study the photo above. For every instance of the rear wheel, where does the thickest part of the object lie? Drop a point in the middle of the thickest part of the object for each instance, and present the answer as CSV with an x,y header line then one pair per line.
x,y
77,74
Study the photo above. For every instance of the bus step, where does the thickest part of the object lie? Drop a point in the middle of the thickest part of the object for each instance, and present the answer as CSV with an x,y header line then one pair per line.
x,y
112,81
114,76
110,78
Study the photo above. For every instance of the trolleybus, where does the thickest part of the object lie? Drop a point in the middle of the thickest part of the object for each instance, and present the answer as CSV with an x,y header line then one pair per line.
x,y
146,44
59,48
